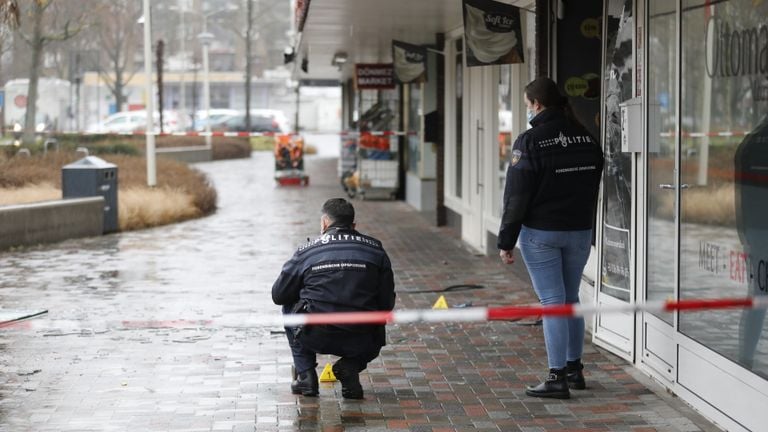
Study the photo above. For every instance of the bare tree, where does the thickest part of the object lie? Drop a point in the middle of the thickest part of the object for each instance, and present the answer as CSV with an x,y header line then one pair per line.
x,y
258,20
48,24
6,38
248,61
118,39
5,46
9,13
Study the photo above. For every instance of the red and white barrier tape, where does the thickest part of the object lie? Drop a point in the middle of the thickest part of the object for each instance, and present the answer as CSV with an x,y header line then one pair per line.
x,y
472,314
187,134
706,134
479,314
377,133
244,134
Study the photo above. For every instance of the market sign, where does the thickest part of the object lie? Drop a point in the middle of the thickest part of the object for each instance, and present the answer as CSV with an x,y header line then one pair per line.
x,y
374,76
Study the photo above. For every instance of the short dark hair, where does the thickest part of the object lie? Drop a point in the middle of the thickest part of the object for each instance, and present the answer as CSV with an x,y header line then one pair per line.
x,y
340,211
545,91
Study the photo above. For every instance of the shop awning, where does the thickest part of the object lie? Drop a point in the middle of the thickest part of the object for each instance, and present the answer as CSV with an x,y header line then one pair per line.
x,y
364,29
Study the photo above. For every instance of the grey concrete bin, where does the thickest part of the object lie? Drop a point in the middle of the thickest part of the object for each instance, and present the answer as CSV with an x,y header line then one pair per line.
x,y
92,176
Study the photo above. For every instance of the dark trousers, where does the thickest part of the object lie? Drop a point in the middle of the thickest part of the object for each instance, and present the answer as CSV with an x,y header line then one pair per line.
x,y
355,348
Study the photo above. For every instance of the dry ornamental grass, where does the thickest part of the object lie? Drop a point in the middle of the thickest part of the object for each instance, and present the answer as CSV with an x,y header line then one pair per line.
x,y
181,193
29,194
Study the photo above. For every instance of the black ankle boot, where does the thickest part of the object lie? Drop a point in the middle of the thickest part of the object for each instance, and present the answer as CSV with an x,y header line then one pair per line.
x,y
349,374
555,386
575,376
305,383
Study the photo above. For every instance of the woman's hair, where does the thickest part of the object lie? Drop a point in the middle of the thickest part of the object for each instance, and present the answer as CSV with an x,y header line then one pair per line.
x,y
545,91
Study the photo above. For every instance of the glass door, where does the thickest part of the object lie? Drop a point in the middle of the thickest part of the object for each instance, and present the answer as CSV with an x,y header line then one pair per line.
x,y
617,273
658,349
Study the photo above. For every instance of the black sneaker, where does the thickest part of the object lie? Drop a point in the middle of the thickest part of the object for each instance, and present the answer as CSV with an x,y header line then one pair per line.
x,y
575,376
306,384
349,375
555,386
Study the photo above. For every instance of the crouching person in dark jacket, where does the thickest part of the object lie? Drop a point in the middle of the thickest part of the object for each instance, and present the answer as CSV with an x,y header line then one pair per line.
x,y
340,271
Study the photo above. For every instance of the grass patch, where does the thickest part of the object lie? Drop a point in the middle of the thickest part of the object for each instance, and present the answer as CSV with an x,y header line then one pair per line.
x,y
181,193
263,143
29,194
141,207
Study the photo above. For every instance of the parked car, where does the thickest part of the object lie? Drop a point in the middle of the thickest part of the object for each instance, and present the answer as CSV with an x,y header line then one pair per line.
x,y
135,121
125,121
217,115
277,115
259,123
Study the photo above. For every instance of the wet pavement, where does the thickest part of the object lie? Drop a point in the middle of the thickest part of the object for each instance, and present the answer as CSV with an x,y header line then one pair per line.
x,y
148,331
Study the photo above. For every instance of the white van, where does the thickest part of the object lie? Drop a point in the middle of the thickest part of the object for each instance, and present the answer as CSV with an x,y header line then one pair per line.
x,y
53,103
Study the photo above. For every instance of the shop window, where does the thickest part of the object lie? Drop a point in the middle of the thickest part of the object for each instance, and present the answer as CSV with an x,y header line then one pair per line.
x,y
511,109
660,271
504,139
414,128
724,173
617,175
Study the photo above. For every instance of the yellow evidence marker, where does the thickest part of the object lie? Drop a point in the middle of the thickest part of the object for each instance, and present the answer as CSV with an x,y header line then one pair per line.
x,y
440,303
327,374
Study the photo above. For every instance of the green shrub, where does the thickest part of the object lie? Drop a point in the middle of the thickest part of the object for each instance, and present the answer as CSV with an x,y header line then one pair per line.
x,y
116,149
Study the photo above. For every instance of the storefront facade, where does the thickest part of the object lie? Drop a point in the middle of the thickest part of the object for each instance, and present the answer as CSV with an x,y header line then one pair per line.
x,y
702,200
681,215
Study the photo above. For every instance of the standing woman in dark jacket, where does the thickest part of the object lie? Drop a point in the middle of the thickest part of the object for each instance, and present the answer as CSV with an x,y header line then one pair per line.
x,y
549,203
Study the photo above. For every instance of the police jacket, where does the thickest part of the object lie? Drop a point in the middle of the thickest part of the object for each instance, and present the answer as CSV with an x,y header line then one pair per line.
x,y
340,271
552,180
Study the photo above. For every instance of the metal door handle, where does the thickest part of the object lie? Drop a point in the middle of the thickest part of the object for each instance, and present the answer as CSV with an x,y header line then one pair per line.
x,y
479,156
671,186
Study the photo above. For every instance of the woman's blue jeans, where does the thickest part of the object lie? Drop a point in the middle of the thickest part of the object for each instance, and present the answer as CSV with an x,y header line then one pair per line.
x,y
555,261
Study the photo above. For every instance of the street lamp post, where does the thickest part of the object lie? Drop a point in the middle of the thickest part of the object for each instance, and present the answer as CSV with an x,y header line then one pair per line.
x,y
205,39
182,89
150,127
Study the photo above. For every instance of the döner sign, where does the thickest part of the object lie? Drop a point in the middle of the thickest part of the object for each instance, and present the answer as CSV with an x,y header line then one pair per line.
x,y
374,76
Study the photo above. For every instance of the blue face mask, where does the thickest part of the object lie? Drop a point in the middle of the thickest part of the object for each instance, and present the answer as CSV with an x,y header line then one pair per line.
x,y
531,114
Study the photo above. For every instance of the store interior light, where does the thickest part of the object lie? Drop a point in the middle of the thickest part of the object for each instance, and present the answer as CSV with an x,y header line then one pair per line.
x,y
339,59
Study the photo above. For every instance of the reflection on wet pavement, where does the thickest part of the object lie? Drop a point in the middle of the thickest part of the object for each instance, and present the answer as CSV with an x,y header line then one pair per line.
x,y
127,342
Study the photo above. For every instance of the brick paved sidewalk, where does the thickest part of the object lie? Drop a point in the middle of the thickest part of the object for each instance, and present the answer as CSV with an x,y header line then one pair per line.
x,y
142,332
471,377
